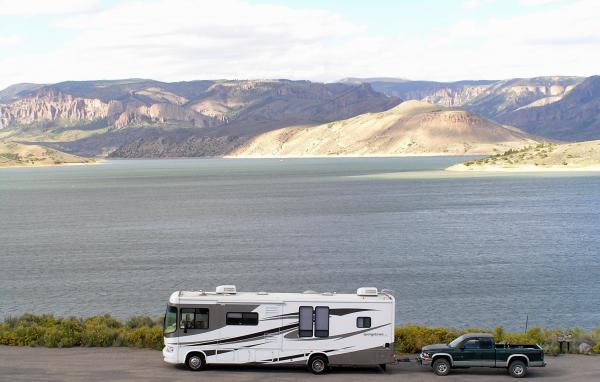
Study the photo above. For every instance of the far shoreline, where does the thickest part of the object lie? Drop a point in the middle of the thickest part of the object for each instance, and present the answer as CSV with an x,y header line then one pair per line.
x,y
461,168
68,164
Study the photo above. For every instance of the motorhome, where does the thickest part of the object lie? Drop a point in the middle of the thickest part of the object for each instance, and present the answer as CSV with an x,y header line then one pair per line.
x,y
318,330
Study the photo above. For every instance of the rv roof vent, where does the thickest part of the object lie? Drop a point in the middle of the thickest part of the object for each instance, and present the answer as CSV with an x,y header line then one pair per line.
x,y
367,291
226,289
327,294
310,292
262,293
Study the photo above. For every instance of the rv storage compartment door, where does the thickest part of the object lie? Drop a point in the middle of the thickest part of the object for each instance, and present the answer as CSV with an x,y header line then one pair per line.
x,y
269,350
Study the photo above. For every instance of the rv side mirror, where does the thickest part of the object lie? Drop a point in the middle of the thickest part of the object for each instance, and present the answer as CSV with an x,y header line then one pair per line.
x,y
183,326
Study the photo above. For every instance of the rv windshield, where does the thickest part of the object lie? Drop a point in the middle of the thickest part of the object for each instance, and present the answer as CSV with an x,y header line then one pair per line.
x,y
170,320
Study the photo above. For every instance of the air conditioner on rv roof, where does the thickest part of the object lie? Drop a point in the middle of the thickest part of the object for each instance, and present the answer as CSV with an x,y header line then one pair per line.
x,y
367,291
226,289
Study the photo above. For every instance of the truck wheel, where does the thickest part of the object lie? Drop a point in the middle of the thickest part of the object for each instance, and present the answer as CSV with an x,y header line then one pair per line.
x,y
195,362
318,364
517,369
441,367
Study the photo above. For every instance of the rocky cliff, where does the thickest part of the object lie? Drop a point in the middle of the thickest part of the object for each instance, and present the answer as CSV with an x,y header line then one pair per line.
x,y
491,99
86,117
440,93
573,117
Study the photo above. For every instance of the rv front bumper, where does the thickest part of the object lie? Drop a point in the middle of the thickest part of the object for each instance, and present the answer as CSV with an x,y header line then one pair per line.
x,y
170,354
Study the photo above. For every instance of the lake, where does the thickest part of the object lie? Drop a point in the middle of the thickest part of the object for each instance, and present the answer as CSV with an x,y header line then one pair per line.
x,y
456,250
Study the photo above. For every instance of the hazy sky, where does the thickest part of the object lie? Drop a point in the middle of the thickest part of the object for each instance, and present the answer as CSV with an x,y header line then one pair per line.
x,y
58,40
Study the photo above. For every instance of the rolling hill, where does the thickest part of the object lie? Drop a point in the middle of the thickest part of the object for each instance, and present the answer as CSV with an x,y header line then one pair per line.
x,y
411,128
17,154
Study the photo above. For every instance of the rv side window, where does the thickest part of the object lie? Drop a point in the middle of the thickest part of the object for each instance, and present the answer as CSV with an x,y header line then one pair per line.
x,y
194,318
363,322
305,321
239,318
322,321
201,319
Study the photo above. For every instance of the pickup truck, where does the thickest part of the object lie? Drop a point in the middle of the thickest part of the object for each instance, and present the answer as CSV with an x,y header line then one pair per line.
x,y
480,350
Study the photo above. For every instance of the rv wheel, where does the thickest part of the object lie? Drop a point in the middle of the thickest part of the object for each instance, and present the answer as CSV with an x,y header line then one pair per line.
x,y
195,362
318,364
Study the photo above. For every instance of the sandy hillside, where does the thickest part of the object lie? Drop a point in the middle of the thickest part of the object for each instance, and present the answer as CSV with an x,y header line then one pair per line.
x,y
17,154
411,128
540,157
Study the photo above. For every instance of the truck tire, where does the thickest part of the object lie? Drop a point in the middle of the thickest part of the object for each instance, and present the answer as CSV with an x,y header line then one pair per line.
x,y
441,367
195,362
517,369
318,364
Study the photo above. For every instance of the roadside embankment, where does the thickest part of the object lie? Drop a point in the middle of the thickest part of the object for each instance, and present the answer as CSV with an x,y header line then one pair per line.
x,y
144,332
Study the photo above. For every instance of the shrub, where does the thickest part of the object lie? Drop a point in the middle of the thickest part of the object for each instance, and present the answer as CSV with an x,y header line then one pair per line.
x,y
411,338
145,337
139,321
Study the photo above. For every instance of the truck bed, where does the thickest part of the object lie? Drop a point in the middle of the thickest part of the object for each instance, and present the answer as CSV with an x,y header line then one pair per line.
x,y
517,346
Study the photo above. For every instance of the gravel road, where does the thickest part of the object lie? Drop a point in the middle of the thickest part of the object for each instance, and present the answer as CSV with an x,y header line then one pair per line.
x,y
124,364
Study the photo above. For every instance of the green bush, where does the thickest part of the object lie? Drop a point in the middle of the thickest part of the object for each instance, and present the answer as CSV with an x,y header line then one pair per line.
x,y
139,321
102,331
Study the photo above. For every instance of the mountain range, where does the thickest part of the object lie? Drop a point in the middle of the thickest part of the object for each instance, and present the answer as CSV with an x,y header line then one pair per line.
x,y
559,107
147,118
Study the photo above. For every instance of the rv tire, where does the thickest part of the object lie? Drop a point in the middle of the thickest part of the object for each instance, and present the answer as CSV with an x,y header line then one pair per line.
x,y
195,361
317,364
383,366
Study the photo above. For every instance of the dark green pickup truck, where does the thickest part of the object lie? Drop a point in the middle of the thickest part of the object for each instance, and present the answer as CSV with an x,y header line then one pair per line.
x,y
480,350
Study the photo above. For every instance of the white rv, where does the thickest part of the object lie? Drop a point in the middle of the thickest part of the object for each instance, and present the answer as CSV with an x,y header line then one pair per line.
x,y
314,329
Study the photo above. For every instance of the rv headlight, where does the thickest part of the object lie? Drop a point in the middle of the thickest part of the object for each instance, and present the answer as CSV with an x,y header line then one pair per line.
x,y
425,355
170,349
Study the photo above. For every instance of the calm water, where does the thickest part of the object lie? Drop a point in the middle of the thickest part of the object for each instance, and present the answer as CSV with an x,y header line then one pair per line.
x,y
463,251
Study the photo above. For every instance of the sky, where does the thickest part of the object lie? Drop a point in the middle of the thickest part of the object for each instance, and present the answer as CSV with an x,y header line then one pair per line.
x,y
45,41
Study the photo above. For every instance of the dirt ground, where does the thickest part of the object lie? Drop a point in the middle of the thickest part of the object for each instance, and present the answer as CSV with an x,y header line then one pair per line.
x,y
125,364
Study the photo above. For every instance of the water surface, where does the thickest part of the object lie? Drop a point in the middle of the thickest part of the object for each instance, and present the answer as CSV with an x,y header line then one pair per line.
x,y
456,250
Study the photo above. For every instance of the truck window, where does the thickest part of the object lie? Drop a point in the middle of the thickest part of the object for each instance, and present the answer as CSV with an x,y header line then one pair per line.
x,y
471,345
194,318
241,318
322,321
363,322
485,343
305,321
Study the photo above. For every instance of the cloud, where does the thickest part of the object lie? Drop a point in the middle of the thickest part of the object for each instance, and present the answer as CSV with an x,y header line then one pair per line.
x,y
474,4
185,40
10,40
538,2
45,7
